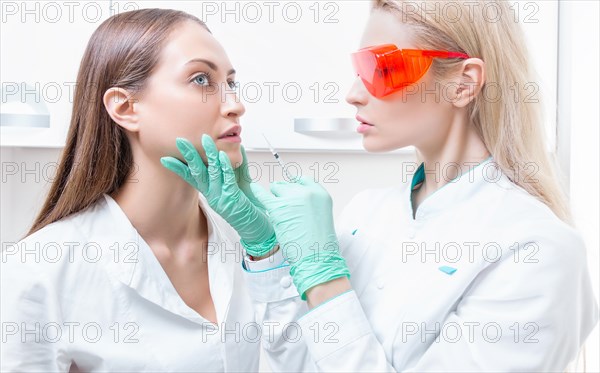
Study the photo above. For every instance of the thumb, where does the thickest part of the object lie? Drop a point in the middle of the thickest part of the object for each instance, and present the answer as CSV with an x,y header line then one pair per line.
x,y
264,197
307,181
287,189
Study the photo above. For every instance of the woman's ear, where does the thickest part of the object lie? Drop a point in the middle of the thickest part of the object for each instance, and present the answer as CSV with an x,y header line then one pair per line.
x,y
120,105
471,82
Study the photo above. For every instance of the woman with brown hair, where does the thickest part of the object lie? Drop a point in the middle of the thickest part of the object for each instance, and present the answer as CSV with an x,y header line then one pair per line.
x,y
126,267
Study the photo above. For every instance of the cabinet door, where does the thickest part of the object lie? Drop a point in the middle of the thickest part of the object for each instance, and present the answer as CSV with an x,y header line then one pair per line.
x,y
42,43
292,59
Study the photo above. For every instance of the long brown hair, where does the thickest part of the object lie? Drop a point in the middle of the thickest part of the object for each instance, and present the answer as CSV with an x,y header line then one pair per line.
x,y
97,157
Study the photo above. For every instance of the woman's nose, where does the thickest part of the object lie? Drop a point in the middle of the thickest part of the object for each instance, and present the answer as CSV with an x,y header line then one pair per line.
x,y
232,105
358,94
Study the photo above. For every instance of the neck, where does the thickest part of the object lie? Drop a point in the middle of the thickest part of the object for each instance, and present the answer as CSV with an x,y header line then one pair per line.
x,y
456,153
161,206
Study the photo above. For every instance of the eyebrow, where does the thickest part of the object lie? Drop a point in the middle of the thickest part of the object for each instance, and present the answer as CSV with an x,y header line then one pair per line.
x,y
210,64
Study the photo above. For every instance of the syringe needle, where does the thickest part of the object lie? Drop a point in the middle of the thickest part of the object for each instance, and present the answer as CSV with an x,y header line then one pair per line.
x,y
275,154
277,158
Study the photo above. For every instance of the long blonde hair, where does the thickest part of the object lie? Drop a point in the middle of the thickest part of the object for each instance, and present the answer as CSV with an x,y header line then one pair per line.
x,y
512,130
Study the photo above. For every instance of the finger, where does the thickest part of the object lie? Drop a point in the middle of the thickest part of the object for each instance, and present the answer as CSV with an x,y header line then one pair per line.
x,y
176,166
214,166
283,188
242,173
209,145
193,159
228,174
304,180
244,158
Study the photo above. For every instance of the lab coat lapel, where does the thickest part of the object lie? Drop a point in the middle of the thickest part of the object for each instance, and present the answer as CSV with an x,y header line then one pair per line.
x,y
142,272
458,190
223,256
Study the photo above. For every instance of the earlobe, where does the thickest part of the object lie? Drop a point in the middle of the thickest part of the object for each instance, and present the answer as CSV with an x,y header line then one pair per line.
x,y
472,80
120,105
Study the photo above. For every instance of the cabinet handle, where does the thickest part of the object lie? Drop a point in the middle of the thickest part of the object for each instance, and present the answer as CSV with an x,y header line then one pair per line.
x,y
24,120
29,113
324,125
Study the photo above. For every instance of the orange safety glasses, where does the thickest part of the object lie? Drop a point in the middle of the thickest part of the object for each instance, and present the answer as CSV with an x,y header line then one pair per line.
x,y
385,69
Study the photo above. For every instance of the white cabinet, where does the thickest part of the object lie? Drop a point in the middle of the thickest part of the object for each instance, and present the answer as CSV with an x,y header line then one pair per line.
x,y
292,59
42,43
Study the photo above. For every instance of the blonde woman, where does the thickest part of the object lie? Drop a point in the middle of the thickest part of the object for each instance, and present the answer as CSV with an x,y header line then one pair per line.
x,y
470,264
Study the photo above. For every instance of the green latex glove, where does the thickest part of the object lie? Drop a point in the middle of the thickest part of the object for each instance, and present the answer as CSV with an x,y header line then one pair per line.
x,y
218,183
244,180
301,213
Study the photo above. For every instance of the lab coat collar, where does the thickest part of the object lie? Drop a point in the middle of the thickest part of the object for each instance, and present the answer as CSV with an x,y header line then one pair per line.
x,y
456,191
145,275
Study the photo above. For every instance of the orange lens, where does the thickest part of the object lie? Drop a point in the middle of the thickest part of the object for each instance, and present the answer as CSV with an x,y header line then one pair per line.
x,y
386,69
370,66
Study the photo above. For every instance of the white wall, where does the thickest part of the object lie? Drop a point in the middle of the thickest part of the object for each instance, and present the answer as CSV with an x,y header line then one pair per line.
x,y
25,176
578,81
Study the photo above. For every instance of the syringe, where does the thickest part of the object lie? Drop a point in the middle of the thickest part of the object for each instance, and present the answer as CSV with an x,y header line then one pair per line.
x,y
278,159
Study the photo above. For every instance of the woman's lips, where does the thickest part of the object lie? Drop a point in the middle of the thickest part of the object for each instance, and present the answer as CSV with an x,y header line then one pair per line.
x,y
364,126
232,134
362,120
234,139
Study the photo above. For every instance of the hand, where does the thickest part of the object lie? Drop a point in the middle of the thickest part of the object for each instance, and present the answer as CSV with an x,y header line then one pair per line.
x,y
301,213
244,181
219,185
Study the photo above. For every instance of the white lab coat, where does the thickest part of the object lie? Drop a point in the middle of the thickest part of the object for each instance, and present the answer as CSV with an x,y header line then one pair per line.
x,y
520,298
87,290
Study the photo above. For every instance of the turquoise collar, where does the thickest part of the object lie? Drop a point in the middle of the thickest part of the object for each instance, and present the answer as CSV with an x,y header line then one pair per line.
x,y
419,176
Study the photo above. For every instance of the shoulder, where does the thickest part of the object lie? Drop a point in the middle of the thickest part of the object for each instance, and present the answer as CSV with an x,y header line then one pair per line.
x,y
372,197
507,209
532,237
556,244
530,217
57,249
69,259
373,201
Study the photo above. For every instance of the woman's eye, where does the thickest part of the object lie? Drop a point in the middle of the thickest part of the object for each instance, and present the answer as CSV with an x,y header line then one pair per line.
x,y
202,79
233,84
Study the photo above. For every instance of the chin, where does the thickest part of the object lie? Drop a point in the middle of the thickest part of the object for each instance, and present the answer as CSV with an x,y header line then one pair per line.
x,y
374,145
235,156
